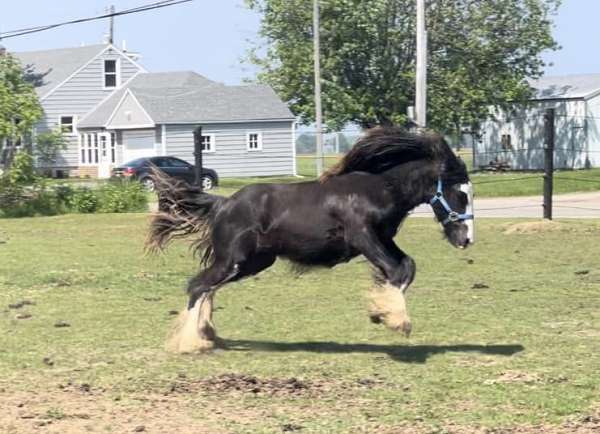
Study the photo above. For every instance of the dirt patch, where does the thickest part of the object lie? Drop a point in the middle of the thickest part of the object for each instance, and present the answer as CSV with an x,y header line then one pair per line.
x,y
515,377
589,424
536,227
548,226
248,384
508,377
72,410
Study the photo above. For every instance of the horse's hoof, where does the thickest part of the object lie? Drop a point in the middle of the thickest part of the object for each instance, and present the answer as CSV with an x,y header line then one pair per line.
x,y
199,346
406,328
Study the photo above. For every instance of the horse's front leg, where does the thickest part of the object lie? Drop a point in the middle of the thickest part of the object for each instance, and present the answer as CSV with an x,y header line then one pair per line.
x,y
388,304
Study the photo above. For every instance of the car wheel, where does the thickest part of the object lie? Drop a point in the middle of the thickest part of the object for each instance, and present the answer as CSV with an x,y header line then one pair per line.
x,y
148,183
207,182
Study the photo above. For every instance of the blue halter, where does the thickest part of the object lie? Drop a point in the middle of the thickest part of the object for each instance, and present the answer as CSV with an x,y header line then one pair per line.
x,y
452,216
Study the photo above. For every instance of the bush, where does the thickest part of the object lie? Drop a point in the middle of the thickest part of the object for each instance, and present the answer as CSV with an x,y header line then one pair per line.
x,y
83,200
18,200
48,145
21,170
22,194
123,196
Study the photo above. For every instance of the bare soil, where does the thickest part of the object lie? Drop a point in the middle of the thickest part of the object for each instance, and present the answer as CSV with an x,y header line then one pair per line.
x,y
77,408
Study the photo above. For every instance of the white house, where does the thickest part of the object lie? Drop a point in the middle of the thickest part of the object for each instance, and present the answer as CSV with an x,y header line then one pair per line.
x,y
112,110
517,138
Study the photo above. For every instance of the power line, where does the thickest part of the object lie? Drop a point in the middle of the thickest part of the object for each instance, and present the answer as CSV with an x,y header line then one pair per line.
x,y
144,8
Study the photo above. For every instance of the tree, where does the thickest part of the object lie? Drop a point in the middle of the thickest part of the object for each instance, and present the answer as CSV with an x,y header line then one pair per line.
x,y
47,146
481,53
306,144
19,105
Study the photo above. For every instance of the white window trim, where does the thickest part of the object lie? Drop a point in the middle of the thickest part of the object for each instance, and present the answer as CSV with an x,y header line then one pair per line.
x,y
83,137
260,141
213,143
117,72
72,133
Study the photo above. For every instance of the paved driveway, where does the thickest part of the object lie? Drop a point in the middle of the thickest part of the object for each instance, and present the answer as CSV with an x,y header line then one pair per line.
x,y
577,205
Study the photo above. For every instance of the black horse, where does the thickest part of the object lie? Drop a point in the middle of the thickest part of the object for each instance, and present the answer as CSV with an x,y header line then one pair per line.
x,y
355,208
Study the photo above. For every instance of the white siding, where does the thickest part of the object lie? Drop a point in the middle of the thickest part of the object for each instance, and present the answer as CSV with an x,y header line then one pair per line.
x,y
129,113
526,128
592,154
231,157
80,94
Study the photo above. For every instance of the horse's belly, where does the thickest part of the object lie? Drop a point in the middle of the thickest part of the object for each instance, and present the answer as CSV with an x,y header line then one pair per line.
x,y
315,252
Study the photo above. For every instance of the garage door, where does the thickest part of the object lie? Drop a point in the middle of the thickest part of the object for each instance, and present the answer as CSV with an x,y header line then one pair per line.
x,y
137,144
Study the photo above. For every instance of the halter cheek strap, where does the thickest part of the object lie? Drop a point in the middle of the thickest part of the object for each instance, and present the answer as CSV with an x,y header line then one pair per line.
x,y
452,216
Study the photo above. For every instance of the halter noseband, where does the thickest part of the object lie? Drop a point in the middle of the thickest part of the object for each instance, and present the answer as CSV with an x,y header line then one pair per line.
x,y
452,216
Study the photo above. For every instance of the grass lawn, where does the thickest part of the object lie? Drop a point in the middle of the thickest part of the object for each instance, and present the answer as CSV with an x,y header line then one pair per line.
x,y
506,334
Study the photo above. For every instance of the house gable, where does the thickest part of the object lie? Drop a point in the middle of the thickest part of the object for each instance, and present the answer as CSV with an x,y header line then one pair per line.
x,y
129,114
81,93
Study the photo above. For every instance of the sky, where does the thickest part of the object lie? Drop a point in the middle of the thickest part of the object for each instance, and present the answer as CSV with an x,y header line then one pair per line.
x,y
212,36
207,36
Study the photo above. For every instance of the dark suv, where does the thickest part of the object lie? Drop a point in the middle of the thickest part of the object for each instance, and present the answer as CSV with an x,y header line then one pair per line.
x,y
140,169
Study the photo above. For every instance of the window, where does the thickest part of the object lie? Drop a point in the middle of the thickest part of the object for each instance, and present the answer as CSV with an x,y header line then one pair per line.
x,y
113,147
88,148
254,141
111,74
67,124
175,162
207,142
506,142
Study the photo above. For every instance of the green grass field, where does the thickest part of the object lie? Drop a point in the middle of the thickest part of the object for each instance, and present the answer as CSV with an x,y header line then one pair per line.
x,y
506,335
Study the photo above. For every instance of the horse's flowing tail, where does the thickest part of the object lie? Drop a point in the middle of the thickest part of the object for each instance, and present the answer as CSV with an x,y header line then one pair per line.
x,y
183,210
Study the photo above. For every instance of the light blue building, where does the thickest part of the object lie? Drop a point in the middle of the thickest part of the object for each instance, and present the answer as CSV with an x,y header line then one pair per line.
x,y
112,110
517,138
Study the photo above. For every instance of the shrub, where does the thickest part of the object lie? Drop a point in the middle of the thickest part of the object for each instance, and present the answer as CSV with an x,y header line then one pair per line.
x,y
48,145
123,196
84,200
21,170
18,200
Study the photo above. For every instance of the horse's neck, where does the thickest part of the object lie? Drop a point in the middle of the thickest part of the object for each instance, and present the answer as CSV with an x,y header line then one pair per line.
x,y
413,183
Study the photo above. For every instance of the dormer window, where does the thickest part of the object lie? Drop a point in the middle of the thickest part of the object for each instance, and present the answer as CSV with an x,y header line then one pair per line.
x,y
111,76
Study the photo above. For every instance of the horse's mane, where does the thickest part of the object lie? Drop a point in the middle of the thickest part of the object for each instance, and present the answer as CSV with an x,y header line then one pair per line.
x,y
382,148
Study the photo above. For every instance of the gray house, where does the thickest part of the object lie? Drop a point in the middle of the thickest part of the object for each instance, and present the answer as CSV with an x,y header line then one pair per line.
x,y
517,138
112,110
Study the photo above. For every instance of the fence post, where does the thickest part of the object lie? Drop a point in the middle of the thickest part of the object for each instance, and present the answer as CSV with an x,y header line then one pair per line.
x,y
198,157
548,162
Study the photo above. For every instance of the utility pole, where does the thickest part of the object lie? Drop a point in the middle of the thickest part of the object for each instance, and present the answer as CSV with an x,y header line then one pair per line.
x,y
111,31
548,162
421,85
318,109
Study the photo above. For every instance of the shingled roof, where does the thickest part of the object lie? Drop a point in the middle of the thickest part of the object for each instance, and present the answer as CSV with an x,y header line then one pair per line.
x,y
186,97
580,86
51,67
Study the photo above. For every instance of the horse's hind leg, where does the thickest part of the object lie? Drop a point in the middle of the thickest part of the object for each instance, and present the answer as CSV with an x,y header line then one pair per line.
x,y
239,260
195,330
